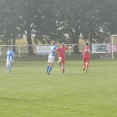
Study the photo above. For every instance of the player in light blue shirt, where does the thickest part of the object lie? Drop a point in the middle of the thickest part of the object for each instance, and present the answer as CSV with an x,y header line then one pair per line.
x,y
51,58
10,59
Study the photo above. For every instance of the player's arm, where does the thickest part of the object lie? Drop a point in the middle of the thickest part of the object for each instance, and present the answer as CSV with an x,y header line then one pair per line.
x,y
71,47
86,50
12,54
53,51
83,53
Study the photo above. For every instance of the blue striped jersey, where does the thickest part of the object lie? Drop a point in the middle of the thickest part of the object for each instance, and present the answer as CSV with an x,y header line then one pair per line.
x,y
54,47
10,55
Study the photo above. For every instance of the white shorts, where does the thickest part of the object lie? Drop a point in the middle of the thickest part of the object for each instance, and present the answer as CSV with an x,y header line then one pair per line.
x,y
9,62
51,59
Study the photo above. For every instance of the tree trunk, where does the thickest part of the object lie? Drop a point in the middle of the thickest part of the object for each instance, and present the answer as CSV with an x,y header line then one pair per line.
x,y
30,49
75,40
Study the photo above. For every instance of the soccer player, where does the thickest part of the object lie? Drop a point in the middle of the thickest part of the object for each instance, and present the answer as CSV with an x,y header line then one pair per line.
x,y
86,58
10,60
61,55
51,58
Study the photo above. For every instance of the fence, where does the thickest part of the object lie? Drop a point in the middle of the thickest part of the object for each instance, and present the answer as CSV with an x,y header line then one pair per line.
x,y
23,49
94,48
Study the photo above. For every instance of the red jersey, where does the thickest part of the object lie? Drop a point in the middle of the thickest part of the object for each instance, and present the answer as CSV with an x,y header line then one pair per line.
x,y
61,51
87,51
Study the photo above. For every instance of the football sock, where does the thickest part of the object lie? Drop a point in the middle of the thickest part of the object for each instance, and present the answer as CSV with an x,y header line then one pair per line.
x,y
63,70
87,66
47,68
10,67
7,68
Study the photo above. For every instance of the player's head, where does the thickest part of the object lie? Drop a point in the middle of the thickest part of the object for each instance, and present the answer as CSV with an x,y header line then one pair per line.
x,y
54,43
87,44
62,44
9,47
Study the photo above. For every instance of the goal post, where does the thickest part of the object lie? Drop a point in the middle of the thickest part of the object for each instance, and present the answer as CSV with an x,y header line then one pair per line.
x,y
113,45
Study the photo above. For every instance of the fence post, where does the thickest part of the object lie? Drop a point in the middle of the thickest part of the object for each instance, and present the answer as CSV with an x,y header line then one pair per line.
x,y
19,50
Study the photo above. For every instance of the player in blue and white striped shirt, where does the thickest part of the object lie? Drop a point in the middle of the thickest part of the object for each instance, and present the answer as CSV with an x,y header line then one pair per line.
x,y
51,58
10,59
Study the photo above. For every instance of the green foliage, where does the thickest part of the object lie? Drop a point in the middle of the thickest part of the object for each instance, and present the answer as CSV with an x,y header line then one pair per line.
x,y
55,18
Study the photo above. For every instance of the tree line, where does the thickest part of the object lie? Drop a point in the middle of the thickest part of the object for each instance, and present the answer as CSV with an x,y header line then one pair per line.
x,y
59,20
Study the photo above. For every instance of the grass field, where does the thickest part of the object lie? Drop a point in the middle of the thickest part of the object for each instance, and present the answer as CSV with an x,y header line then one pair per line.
x,y
29,92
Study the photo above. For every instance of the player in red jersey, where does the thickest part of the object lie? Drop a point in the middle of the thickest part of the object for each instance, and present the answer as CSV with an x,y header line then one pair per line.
x,y
61,55
86,58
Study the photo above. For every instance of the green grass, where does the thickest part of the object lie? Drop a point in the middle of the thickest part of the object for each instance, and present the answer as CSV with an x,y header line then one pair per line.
x,y
29,92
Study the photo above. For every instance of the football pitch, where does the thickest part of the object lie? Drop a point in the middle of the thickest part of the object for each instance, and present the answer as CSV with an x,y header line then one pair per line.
x,y
29,92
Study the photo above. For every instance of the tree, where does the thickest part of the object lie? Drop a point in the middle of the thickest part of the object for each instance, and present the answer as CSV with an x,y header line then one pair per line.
x,y
56,18
9,21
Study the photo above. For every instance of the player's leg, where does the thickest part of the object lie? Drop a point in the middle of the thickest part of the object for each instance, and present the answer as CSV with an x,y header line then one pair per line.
x,y
7,68
47,67
11,65
50,68
83,63
63,68
63,65
7,65
60,65
59,61
51,60
87,64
